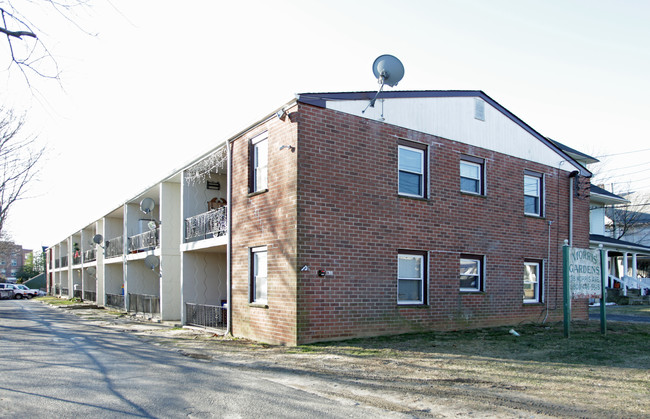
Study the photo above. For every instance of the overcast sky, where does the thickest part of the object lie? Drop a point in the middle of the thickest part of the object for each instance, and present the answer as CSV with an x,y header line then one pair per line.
x,y
148,85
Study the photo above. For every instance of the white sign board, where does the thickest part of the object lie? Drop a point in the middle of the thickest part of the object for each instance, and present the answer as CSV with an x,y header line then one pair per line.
x,y
585,273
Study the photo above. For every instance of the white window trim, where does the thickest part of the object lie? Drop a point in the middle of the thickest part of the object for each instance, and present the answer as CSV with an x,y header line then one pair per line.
x,y
540,196
254,141
423,268
537,298
422,173
480,275
480,177
253,280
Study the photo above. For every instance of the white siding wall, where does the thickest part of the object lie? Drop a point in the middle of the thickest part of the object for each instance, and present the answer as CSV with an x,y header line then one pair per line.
x,y
597,220
453,118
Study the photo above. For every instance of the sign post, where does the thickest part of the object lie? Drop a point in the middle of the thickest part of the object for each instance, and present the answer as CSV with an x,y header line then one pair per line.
x,y
603,294
567,291
583,277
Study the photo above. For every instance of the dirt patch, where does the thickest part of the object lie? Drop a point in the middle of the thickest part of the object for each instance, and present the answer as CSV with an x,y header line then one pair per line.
x,y
486,373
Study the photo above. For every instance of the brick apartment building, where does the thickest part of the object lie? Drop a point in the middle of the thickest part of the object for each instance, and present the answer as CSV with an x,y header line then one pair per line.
x,y
12,260
432,210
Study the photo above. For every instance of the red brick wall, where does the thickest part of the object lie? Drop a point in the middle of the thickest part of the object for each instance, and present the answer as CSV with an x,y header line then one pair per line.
x,y
266,219
351,221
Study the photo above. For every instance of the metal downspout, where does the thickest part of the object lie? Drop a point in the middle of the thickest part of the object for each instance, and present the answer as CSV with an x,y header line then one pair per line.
x,y
571,181
229,245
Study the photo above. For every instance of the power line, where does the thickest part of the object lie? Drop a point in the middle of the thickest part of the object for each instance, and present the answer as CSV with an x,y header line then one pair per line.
x,y
626,152
628,174
626,167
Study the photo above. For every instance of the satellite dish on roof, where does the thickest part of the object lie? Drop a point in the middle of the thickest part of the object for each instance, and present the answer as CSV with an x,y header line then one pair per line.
x,y
151,261
388,70
147,205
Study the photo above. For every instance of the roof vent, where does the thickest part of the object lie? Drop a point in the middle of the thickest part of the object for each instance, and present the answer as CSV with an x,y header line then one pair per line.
x,y
479,109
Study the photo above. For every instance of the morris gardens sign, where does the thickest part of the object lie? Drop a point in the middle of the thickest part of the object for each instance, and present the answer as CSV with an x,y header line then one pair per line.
x,y
584,274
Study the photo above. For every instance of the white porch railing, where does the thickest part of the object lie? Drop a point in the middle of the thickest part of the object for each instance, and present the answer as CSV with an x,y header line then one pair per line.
x,y
628,282
213,223
144,241
115,247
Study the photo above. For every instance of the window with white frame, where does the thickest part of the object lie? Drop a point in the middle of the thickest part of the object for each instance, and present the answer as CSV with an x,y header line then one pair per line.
x,y
258,275
412,169
471,175
533,193
259,163
471,273
532,281
411,277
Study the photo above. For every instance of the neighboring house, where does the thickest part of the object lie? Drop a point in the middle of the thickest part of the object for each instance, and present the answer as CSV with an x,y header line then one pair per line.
x,y
624,256
632,226
433,210
629,257
12,260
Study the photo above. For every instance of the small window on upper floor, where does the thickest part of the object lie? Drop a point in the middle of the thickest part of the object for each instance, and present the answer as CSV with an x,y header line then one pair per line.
x,y
472,170
259,163
533,193
412,169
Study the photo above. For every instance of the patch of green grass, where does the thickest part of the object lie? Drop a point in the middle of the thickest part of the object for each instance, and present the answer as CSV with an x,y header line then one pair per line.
x,y
630,310
304,349
55,301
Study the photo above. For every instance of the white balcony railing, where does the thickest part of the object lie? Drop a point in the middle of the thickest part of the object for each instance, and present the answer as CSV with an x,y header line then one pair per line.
x,y
115,247
144,241
213,223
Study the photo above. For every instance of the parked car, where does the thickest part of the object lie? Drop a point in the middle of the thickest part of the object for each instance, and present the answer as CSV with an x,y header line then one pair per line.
x,y
18,292
6,293
28,291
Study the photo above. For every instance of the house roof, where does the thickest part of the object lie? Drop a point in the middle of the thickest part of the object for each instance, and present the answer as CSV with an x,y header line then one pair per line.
x,y
321,99
578,155
611,243
603,196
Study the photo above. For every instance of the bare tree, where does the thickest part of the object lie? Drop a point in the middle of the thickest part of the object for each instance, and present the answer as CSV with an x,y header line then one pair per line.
x,y
19,162
631,221
26,46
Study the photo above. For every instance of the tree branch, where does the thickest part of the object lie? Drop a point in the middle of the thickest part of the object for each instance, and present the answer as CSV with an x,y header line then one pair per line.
x,y
17,34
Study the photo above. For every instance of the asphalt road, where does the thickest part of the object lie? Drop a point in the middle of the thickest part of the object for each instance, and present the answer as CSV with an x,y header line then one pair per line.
x,y
54,365
621,318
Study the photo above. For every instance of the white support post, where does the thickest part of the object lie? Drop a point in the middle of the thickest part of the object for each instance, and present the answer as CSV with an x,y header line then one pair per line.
x,y
624,276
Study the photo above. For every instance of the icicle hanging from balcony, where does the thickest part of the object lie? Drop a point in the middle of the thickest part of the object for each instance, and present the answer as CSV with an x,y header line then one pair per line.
x,y
200,172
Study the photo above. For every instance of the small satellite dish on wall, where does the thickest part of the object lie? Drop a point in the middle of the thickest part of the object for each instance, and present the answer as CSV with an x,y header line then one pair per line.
x,y
98,239
147,205
152,225
152,261
91,270
388,70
